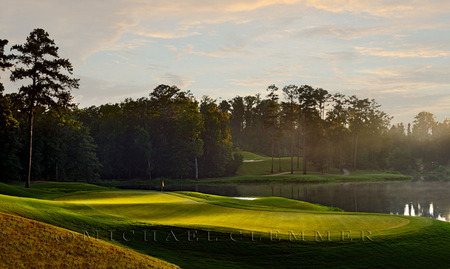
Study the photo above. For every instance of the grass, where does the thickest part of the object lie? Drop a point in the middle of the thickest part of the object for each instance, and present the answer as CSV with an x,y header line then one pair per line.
x,y
256,169
399,241
260,203
311,178
217,213
31,244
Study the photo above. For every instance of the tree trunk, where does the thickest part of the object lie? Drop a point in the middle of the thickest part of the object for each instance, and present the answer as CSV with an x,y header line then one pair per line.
x,y
292,149
298,152
148,169
279,158
273,146
31,116
304,146
340,149
355,152
196,168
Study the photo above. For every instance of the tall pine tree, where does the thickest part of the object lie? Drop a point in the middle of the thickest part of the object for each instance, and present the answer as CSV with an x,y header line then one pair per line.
x,y
38,61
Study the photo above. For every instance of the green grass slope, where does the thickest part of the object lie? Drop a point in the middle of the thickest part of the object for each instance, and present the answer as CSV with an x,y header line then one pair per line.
x,y
257,203
398,241
256,168
31,244
225,214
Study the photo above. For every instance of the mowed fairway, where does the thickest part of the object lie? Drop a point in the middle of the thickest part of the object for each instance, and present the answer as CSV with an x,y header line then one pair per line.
x,y
183,211
398,241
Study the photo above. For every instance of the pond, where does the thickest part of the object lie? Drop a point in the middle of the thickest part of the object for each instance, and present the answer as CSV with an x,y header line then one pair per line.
x,y
427,199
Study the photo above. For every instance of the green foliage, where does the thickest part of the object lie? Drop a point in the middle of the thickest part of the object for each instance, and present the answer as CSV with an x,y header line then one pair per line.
x,y
161,136
38,63
217,148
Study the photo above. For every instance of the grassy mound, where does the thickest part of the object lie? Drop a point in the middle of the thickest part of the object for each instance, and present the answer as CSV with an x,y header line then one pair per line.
x,y
47,190
225,214
258,203
31,244
399,241
14,191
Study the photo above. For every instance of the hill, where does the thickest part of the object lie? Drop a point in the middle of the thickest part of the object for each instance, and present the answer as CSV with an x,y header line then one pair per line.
x,y
30,244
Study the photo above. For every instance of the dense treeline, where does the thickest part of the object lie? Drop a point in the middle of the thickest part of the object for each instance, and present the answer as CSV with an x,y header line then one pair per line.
x,y
334,131
171,134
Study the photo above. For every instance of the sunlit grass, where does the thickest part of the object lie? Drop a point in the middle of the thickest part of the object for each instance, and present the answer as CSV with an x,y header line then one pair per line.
x,y
31,244
398,240
222,213
258,170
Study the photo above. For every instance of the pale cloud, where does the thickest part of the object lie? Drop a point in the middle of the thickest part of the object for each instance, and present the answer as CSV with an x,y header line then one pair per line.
x,y
401,75
343,32
395,90
404,53
94,91
241,6
398,8
165,35
172,79
128,44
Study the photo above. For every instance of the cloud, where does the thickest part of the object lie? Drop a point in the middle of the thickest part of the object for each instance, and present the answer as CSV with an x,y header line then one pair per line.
x,y
172,79
241,6
343,32
396,50
406,75
397,9
94,91
395,90
404,53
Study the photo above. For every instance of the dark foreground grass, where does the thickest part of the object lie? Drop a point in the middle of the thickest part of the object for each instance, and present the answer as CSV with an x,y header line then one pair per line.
x,y
425,244
425,249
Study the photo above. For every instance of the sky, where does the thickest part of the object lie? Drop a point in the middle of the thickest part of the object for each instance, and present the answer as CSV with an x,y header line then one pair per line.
x,y
396,52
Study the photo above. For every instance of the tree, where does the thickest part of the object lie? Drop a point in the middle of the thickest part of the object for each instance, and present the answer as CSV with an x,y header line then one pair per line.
x,y
272,117
311,104
39,62
290,93
4,59
364,117
216,136
177,143
237,120
337,118
424,123
6,117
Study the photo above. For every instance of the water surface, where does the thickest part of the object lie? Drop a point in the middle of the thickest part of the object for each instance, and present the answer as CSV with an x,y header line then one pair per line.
x,y
426,199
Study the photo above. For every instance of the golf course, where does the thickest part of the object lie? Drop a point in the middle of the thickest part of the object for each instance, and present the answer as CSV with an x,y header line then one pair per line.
x,y
195,230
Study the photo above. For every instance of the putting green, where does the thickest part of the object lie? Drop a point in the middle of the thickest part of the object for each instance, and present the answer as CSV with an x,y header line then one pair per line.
x,y
180,210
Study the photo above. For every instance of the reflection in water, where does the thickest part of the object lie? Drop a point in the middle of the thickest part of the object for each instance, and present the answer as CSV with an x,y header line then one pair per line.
x,y
426,199
410,211
440,217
